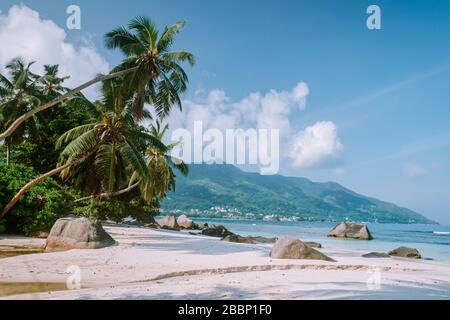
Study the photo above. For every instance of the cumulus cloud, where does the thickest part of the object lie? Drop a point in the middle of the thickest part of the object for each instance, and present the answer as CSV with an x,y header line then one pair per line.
x,y
261,111
299,94
24,33
315,145
271,110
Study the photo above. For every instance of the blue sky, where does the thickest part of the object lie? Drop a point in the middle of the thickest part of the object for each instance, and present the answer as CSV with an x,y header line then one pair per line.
x,y
385,91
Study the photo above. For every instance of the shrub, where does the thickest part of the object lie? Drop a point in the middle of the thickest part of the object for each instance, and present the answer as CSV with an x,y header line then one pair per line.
x,y
38,209
117,209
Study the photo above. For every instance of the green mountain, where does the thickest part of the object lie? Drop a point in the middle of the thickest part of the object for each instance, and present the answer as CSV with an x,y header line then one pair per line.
x,y
226,191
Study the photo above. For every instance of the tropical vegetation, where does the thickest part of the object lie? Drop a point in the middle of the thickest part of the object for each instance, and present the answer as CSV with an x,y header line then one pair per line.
x,y
64,153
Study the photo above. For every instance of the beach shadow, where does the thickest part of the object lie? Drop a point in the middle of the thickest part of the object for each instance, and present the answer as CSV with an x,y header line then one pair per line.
x,y
196,245
222,292
405,290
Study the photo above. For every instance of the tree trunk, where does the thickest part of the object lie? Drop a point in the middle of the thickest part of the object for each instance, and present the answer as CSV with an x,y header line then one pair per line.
x,y
34,182
108,195
8,153
30,185
54,102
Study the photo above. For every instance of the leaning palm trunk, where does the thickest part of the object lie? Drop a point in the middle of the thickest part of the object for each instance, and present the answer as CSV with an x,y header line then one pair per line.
x,y
39,179
108,195
30,185
60,99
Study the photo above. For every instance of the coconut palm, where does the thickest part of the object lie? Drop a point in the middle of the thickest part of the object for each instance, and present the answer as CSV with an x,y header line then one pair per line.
x,y
154,73
50,84
161,177
18,96
159,78
160,165
101,156
114,144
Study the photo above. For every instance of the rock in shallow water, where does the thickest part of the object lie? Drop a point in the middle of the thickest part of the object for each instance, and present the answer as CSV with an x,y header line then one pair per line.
x,y
292,248
250,240
376,255
216,231
81,233
238,239
406,252
351,231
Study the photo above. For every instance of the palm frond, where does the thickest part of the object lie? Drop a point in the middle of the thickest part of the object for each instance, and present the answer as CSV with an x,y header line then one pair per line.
x,y
80,146
130,153
146,30
106,161
179,57
124,40
74,133
168,35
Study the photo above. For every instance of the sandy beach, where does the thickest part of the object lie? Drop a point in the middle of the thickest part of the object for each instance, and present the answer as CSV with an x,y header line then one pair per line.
x,y
159,264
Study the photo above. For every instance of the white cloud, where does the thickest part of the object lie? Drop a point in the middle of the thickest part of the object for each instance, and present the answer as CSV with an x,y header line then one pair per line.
x,y
315,145
412,170
299,94
261,111
272,110
23,33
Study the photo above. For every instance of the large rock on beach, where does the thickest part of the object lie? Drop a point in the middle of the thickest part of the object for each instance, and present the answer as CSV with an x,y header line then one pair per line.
x,y
406,252
185,223
292,248
216,231
77,233
168,222
346,230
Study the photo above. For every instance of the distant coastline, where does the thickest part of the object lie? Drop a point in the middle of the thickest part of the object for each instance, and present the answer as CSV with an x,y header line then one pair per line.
x,y
235,215
225,191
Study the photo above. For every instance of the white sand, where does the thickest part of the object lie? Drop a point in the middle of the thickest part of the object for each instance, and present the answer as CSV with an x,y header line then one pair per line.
x,y
153,264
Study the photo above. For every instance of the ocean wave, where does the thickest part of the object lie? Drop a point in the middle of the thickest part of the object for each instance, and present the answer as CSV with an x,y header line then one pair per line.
x,y
442,233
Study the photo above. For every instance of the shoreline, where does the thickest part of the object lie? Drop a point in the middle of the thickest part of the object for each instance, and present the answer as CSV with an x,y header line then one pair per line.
x,y
161,264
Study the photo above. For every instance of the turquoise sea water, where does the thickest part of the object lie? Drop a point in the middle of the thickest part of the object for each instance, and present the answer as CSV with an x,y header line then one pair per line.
x,y
432,241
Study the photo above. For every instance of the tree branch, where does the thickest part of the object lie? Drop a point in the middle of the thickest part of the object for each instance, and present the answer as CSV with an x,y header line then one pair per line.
x,y
60,99
108,195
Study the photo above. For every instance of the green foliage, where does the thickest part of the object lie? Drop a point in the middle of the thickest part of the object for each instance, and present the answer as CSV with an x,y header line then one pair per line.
x,y
39,208
38,149
159,78
101,143
117,209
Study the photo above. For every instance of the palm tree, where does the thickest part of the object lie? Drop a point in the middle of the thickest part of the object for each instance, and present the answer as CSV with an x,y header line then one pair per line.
x,y
18,97
114,144
101,156
161,167
159,78
153,72
50,84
